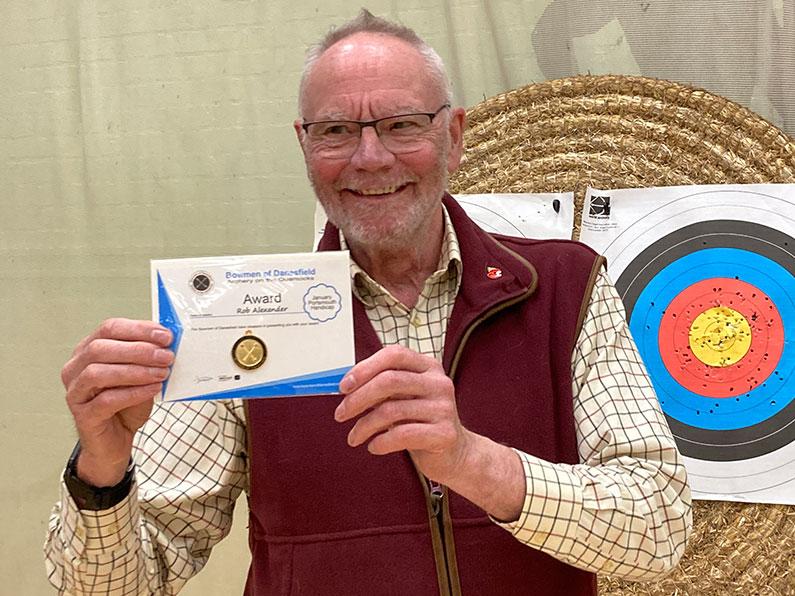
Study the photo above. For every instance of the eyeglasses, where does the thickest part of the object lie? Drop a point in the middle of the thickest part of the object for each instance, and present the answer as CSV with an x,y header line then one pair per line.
x,y
399,134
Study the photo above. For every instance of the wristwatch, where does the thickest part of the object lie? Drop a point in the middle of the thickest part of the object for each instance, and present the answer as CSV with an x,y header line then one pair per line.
x,y
95,498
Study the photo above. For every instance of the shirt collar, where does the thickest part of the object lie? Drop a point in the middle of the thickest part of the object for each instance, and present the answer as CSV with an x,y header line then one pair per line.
x,y
371,293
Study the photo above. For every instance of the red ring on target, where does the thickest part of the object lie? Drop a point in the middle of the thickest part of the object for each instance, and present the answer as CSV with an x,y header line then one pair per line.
x,y
762,358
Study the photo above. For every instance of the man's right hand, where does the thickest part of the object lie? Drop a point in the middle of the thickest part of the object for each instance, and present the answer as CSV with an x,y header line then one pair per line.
x,y
111,381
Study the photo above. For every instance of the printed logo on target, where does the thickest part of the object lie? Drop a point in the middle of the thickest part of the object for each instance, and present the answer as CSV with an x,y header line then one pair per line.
x,y
599,207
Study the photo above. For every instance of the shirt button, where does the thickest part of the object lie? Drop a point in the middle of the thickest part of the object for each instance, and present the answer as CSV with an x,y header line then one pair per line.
x,y
416,320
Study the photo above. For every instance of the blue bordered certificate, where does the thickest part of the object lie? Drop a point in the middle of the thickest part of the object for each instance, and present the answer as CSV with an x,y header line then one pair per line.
x,y
255,326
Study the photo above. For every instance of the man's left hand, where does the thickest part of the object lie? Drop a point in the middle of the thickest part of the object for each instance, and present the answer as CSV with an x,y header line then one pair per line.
x,y
404,400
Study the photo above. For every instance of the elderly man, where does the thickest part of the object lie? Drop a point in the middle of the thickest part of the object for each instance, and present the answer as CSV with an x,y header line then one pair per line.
x,y
498,434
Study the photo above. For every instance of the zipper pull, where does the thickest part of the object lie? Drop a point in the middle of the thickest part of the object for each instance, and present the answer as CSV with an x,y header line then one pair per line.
x,y
437,493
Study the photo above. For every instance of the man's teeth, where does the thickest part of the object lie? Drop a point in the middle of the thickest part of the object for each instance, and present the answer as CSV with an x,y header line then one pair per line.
x,y
379,191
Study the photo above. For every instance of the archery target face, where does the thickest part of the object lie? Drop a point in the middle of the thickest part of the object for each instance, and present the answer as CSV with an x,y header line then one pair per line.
x,y
707,279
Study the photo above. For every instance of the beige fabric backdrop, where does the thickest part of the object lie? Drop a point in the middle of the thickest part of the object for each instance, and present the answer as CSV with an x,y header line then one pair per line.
x,y
132,130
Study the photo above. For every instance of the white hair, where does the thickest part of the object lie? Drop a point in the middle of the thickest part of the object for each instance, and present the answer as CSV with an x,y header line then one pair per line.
x,y
366,22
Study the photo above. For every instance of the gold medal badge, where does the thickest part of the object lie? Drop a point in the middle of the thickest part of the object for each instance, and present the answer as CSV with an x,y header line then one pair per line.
x,y
249,352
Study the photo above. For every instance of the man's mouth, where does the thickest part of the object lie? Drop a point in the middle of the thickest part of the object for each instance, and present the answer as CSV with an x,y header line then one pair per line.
x,y
377,191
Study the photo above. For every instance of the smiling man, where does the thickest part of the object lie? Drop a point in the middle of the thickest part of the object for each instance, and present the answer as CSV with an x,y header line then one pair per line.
x,y
498,434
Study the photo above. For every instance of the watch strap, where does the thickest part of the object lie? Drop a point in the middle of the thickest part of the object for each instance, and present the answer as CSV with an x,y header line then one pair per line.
x,y
95,498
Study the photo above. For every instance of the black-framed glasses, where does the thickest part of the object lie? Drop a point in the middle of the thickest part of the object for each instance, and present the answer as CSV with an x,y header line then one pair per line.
x,y
402,133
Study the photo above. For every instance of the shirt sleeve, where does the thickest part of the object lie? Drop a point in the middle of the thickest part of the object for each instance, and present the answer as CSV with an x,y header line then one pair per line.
x,y
191,466
625,510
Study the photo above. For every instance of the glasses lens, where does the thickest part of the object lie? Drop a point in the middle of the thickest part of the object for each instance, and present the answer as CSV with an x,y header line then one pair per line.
x,y
403,133
333,135
404,126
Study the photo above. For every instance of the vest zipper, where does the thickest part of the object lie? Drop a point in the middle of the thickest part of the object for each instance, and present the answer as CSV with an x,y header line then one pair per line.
x,y
448,580
438,505
437,494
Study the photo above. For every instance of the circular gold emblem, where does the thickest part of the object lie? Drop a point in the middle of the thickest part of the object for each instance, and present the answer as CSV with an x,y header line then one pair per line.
x,y
249,352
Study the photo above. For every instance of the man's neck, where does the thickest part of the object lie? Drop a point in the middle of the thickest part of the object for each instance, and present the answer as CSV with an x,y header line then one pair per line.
x,y
403,269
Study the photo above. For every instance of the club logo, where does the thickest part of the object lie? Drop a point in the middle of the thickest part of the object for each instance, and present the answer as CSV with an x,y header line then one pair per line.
x,y
201,282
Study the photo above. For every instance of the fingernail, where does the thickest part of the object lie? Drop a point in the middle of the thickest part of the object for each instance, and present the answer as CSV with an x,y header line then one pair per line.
x,y
161,337
339,413
163,356
347,384
158,372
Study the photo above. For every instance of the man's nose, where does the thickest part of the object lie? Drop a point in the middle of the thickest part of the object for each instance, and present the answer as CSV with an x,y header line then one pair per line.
x,y
371,154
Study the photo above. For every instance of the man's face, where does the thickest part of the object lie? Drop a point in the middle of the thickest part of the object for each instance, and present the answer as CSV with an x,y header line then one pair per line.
x,y
376,197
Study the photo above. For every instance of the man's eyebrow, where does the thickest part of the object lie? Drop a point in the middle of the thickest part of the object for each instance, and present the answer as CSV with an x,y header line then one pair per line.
x,y
331,116
339,116
408,110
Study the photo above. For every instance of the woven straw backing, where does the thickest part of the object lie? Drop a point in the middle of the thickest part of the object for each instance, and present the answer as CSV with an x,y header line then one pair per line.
x,y
626,132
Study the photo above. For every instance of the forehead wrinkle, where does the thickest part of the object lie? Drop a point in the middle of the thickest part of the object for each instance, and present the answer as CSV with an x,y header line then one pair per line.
x,y
370,52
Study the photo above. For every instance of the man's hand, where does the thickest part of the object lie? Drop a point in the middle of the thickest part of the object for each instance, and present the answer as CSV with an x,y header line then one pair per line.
x,y
404,400
111,380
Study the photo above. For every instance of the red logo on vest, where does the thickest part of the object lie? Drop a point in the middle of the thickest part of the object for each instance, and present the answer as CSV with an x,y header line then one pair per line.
x,y
493,272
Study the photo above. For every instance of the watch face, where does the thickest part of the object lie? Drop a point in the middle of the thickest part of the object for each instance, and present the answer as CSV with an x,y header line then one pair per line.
x,y
249,352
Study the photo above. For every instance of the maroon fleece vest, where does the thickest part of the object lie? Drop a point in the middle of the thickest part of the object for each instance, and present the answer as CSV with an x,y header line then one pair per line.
x,y
328,519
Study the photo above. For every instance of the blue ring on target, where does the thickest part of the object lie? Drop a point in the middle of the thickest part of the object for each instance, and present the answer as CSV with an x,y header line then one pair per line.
x,y
771,395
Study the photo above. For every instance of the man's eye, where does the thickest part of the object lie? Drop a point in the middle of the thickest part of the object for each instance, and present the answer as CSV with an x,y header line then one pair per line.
x,y
404,125
336,129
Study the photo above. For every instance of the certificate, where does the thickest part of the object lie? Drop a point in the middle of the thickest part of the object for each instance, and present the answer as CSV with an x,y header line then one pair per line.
x,y
255,326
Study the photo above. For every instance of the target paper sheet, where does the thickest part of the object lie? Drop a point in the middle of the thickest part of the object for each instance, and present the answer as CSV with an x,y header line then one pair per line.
x,y
526,215
707,276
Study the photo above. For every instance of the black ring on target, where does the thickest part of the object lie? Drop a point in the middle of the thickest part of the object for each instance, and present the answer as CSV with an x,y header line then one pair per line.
x,y
733,444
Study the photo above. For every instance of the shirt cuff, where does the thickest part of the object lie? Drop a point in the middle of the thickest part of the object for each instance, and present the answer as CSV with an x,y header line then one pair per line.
x,y
88,533
552,506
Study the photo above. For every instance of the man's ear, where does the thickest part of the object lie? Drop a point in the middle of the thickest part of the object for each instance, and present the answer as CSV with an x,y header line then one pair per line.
x,y
299,132
456,126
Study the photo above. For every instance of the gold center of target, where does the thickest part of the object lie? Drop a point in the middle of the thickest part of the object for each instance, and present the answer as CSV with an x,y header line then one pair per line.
x,y
720,336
